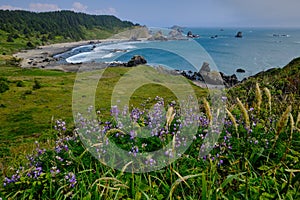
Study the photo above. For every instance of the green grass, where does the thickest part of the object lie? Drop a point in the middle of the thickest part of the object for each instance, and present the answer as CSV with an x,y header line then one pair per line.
x,y
27,113
257,163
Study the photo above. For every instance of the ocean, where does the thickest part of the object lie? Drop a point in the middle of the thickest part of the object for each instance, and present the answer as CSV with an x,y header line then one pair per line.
x,y
259,49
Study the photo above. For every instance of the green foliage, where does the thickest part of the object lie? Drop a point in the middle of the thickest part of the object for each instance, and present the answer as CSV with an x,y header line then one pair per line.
x,y
20,84
3,85
67,24
25,30
29,45
37,85
10,39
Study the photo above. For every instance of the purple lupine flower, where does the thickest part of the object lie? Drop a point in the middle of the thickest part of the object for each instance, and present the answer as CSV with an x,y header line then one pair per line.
x,y
132,134
71,178
169,153
150,162
134,150
54,171
114,111
220,163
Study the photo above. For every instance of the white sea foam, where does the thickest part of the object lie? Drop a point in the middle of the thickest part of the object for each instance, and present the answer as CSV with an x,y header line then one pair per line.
x,y
114,46
108,55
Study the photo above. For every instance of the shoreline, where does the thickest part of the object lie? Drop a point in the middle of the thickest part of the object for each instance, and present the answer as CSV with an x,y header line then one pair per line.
x,y
43,56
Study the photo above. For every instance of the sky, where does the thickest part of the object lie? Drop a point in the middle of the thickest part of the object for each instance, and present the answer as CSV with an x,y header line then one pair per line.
x,y
190,13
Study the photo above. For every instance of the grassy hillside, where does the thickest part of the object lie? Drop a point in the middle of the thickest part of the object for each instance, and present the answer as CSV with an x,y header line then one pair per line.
x,y
283,83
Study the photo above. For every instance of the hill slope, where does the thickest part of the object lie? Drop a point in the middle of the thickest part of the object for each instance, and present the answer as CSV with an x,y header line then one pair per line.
x,y
62,23
24,29
283,83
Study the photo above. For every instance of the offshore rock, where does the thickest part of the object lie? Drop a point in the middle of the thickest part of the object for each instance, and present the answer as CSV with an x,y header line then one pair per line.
x,y
136,60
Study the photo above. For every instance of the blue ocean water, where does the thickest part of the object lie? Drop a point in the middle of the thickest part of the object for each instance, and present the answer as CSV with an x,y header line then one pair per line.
x,y
259,49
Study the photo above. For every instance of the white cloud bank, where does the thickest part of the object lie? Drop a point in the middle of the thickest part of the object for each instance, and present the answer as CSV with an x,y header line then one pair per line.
x,y
107,11
42,7
79,7
9,7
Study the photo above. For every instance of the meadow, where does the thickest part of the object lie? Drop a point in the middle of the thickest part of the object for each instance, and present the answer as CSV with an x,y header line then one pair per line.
x,y
255,157
43,155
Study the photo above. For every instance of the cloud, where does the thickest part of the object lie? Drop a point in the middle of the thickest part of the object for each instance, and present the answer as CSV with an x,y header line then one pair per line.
x,y
79,7
9,7
42,7
107,11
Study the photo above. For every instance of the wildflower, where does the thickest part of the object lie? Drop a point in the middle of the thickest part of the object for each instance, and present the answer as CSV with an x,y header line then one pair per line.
x,y
134,150
144,145
114,111
150,162
132,134
71,178
169,153
59,158
54,171
224,98
220,163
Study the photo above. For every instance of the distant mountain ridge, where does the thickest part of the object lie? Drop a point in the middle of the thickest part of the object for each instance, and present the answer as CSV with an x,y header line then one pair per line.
x,y
65,24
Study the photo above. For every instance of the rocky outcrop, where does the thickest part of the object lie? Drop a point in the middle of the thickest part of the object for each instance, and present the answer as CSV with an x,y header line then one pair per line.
x,y
158,36
135,61
191,35
205,68
239,34
207,76
239,70
229,81
175,35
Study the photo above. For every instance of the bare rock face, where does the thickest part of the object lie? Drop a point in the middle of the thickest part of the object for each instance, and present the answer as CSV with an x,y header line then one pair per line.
x,y
205,68
207,76
136,60
175,35
158,36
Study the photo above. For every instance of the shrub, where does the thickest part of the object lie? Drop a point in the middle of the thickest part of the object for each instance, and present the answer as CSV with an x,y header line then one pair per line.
x,y
20,84
30,45
28,92
3,85
37,85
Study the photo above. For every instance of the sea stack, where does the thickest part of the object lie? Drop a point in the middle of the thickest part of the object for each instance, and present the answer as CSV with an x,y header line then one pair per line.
x,y
239,34
240,70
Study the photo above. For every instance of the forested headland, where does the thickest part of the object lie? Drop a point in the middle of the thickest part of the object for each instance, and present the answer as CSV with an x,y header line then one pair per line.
x,y
23,29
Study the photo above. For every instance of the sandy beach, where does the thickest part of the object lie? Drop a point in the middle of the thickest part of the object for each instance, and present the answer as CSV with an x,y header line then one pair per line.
x,y
42,56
